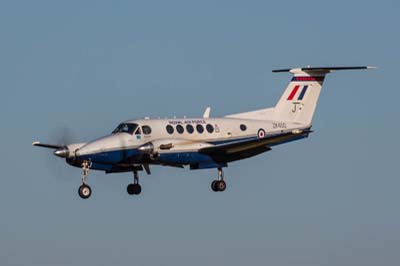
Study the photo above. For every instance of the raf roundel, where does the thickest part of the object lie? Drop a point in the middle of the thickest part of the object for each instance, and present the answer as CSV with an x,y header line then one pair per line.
x,y
261,133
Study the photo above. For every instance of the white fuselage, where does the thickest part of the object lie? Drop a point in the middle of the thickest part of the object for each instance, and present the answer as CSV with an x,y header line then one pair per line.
x,y
215,131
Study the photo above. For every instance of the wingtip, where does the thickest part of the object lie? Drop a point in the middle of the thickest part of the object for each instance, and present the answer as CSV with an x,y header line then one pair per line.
x,y
280,70
35,143
372,67
207,111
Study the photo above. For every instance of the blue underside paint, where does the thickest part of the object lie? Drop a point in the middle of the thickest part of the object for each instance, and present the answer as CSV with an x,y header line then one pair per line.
x,y
111,157
103,167
207,165
184,158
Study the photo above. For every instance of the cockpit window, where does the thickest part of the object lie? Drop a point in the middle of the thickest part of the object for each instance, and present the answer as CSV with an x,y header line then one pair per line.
x,y
125,128
138,131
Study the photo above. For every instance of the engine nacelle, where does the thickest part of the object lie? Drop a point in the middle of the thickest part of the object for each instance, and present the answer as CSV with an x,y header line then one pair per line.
x,y
71,148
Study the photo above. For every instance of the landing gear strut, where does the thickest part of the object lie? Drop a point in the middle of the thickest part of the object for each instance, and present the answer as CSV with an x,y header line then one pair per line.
x,y
84,190
219,184
135,188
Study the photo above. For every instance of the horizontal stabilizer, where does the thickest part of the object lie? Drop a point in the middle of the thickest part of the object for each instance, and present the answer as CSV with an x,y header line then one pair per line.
x,y
321,69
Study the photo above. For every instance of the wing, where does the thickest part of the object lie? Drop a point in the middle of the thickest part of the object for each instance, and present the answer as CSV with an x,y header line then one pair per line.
x,y
247,148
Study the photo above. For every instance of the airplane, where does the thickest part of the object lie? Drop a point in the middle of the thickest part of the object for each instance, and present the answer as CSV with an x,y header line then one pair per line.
x,y
201,143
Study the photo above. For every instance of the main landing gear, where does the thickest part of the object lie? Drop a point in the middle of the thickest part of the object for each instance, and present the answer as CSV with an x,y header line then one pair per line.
x,y
219,185
135,188
84,190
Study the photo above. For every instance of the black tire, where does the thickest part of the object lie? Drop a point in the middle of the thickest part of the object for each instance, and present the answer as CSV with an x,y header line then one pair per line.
x,y
84,191
138,189
130,189
221,185
214,186
134,189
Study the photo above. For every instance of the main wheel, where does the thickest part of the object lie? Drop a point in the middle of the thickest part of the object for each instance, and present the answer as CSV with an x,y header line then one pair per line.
x,y
84,191
138,189
221,185
214,186
134,189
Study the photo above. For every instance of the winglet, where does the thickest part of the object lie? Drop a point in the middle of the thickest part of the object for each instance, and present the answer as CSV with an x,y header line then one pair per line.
x,y
207,112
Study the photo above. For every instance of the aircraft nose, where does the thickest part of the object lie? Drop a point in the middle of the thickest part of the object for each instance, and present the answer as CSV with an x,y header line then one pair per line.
x,y
100,145
61,152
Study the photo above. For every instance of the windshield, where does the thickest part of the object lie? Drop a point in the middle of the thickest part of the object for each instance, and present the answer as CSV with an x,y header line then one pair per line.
x,y
126,128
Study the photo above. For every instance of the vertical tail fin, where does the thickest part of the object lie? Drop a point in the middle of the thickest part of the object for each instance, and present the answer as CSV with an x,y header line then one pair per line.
x,y
298,102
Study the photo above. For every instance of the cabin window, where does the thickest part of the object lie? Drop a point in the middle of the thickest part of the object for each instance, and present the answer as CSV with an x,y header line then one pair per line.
x,y
243,127
180,129
125,128
200,128
170,129
189,129
146,130
210,128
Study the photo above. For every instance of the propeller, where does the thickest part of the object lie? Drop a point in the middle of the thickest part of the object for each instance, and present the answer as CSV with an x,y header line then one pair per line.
x,y
59,138
62,136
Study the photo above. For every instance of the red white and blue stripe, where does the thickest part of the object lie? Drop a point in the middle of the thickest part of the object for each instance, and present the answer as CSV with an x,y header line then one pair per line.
x,y
316,78
294,93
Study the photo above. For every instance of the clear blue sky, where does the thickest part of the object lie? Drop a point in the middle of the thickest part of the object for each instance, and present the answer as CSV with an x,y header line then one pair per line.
x,y
332,199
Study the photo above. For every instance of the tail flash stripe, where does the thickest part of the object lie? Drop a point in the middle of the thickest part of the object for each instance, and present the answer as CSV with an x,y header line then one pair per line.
x,y
303,92
293,93
320,79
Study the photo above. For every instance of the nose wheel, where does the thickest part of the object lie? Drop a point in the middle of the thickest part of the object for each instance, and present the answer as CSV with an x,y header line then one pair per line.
x,y
84,190
135,188
219,185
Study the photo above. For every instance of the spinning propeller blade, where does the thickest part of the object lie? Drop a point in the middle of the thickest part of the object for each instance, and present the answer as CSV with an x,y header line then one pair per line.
x,y
49,146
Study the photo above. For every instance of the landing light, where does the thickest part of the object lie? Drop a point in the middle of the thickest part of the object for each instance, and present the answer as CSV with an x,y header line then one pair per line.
x,y
296,131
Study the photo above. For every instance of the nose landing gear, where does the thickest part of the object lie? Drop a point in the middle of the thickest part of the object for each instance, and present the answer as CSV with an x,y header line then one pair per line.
x,y
84,190
219,185
135,188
